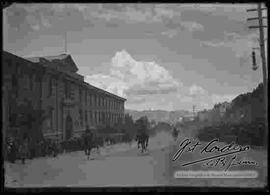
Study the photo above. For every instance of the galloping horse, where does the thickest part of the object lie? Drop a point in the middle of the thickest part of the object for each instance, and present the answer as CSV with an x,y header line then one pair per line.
x,y
88,143
142,139
175,134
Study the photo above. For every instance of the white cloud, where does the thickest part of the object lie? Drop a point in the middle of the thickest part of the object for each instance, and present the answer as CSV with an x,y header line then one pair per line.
x,y
221,98
108,83
196,90
202,99
129,13
192,26
128,76
241,45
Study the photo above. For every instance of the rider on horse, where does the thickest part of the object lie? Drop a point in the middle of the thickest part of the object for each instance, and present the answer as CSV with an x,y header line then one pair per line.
x,y
88,141
175,133
142,138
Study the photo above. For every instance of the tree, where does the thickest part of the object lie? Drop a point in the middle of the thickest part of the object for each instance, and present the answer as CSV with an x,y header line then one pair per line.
x,y
129,125
30,120
142,124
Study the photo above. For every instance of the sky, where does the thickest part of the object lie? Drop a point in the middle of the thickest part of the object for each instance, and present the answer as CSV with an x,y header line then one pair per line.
x,y
157,56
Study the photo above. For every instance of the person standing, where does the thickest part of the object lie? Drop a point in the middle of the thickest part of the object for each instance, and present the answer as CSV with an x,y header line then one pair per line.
x,y
24,148
11,149
88,142
31,148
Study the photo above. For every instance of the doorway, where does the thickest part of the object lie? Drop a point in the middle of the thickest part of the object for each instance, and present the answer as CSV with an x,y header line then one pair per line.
x,y
69,127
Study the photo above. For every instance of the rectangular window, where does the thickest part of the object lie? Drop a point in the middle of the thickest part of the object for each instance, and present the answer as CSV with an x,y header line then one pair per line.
x,y
85,97
50,119
86,119
90,99
31,82
15,84
50,86
90,116
67,89
81,117
80,94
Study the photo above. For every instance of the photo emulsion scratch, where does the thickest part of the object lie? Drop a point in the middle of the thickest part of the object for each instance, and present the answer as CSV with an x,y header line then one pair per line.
x,y
134,95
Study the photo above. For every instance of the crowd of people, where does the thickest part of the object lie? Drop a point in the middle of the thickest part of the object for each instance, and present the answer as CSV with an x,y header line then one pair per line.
x,y
22,149
25,148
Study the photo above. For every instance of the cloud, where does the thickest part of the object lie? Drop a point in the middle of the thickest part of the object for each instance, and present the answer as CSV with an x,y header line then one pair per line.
x,y
192,26
221,98
108,83
128,77
31,16
196,90
241,45
201,98
128,13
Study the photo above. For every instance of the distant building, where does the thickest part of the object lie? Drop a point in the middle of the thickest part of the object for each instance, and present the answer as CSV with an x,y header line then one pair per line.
x,y
203,116
188,118
214,115
223,107
53,85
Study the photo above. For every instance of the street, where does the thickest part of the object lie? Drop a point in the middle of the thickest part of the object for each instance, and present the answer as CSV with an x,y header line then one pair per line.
x,y
119,165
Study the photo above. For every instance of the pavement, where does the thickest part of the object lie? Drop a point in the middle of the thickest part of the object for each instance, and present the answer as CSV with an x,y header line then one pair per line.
x,y
121,165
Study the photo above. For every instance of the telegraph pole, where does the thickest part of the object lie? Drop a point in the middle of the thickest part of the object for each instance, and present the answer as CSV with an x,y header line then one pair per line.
x,y
65,42
264,64
193,108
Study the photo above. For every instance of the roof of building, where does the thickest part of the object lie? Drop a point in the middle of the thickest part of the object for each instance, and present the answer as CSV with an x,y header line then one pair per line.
x,y
103,91
66,62
49,58
6,54
66,58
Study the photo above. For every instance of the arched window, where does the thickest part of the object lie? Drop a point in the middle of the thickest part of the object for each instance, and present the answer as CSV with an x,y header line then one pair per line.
x,y
31,81
81,117
80,94
86,119
50,86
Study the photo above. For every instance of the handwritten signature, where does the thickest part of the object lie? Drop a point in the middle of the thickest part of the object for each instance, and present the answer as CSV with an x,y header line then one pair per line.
x,y
215,160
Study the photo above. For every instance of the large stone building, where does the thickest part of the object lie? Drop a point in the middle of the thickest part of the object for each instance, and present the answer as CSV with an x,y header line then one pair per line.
x,y
51,84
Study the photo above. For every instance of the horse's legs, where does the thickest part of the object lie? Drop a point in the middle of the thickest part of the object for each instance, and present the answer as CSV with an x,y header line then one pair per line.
x,y
88,150
143,146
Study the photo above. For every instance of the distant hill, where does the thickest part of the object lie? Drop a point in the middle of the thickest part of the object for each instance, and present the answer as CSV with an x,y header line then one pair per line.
x,y
158,115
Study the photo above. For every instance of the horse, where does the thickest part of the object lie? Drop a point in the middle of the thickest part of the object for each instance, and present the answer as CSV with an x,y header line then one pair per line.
x,y
175,134
88,144
142,139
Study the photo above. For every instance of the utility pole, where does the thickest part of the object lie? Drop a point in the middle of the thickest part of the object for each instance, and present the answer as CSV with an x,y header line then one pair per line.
x,y
264,64
193,108
65,42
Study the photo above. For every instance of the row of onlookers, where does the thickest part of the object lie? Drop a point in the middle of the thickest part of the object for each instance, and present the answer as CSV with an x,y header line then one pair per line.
x,y
25,149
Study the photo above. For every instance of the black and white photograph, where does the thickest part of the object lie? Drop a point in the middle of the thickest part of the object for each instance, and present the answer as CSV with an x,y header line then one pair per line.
x,y
133,95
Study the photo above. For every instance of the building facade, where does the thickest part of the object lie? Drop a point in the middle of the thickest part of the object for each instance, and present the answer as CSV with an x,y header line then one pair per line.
x,y
51,84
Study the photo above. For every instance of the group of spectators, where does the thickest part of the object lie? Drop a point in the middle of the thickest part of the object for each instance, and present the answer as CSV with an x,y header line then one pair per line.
x,y
28,149
16,149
